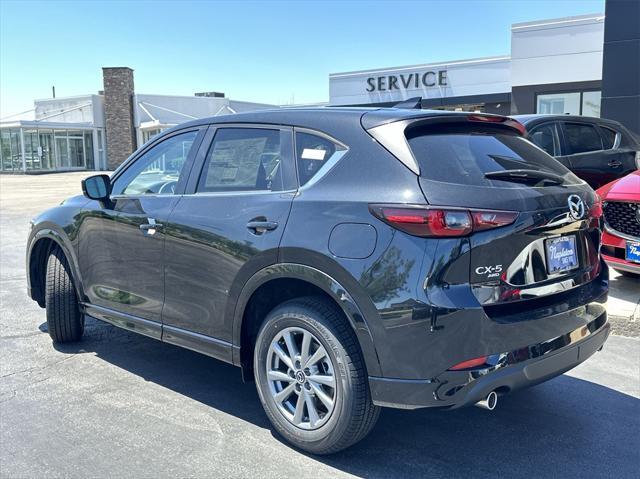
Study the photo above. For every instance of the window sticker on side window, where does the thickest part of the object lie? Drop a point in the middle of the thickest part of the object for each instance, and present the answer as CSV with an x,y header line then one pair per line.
x,y
313,154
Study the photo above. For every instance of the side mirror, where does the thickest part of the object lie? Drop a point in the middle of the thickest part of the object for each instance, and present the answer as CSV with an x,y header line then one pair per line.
x,y
97,187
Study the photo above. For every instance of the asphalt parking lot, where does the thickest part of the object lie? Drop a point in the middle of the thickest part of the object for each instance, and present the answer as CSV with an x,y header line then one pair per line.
x,y
122,405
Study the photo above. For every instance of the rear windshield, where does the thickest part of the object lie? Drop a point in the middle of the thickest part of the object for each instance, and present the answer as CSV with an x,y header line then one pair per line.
x,y
462,154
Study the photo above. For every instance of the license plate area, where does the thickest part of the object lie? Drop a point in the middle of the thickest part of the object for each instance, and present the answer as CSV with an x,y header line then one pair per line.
x,y
633,251
561,254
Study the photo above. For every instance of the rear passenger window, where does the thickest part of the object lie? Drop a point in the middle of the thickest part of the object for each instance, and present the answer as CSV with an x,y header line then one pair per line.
x,y
243,159
608,137
314,151
546,137
581,138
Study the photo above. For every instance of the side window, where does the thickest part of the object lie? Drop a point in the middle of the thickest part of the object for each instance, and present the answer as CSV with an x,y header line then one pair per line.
x,y
608,137
581,138
158,170
546,137
243,159
312,152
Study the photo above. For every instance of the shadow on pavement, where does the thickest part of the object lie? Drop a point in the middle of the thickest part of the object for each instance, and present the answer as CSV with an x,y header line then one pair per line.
x,y
566,427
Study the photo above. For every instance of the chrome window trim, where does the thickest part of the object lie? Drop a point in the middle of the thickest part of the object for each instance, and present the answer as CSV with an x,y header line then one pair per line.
x,y
239,193
617,141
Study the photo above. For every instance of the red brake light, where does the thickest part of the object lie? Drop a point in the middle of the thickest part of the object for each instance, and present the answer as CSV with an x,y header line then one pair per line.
x,y
471,363
440,222
510,122
486,220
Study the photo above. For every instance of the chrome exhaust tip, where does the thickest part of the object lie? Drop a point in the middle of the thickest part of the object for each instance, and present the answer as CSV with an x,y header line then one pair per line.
x,y
490,402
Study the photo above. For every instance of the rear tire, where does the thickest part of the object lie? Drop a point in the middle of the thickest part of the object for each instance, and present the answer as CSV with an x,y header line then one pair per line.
x,y
344,413
64,320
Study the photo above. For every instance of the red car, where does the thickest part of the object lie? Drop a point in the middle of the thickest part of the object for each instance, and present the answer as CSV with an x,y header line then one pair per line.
x,y
621,238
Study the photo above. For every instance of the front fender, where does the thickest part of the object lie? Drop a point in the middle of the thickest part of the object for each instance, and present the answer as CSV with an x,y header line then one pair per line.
x,y
329,285
54,233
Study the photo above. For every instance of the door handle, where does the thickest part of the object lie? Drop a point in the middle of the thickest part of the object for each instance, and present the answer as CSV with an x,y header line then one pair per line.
x,y
260,226
614,164
151,227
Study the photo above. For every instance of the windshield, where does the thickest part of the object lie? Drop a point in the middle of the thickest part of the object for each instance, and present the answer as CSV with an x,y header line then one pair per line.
x,y
463,154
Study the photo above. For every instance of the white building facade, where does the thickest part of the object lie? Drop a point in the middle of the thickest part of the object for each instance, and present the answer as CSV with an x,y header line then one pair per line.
x,y
555,66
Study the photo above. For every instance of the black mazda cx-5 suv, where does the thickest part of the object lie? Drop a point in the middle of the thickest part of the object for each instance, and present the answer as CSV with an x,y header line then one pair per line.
x,y
344,259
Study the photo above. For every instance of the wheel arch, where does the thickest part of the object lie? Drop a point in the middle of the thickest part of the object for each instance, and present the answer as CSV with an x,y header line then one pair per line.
x,y
40,246
310,280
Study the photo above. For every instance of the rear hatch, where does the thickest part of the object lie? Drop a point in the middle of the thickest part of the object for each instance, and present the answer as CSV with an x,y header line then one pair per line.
x,y
483,164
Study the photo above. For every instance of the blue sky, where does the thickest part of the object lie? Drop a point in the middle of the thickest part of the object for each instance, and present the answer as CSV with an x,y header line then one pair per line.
x,y
273,52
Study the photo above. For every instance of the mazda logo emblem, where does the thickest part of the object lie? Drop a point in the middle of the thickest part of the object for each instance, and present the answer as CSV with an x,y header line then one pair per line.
x,y
576,207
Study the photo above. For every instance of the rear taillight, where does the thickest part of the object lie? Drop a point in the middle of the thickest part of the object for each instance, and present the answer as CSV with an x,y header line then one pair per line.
x,y
429,221
510,122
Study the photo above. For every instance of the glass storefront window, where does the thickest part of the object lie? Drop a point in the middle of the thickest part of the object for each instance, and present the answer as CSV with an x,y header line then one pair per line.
x,y
148,134
76,149
5,150
31,150
62,149
591,103
88,149
101,153
46,149
559,104
585,103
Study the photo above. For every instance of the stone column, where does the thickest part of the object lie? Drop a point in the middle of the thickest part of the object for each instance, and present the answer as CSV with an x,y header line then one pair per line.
x,y
118,114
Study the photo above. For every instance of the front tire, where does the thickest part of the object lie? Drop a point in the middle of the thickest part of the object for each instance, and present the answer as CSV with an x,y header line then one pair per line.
x,y
311,377
64,319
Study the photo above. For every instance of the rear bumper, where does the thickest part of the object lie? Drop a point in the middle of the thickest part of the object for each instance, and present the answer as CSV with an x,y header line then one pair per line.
x,y
511,370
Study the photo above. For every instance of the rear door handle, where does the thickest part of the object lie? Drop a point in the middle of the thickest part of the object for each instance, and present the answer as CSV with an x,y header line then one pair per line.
x,y
614,164
151,227
259,227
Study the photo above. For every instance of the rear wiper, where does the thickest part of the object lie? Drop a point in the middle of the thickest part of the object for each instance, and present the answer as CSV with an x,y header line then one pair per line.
x,y
526,176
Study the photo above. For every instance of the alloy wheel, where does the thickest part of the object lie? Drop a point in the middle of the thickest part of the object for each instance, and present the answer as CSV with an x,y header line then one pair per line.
x,y
301,378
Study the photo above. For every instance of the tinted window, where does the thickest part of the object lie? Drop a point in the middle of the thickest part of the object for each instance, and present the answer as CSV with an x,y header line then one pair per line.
x,y
159,169
581,138
608,137
243,159
546,137
313,151
462,155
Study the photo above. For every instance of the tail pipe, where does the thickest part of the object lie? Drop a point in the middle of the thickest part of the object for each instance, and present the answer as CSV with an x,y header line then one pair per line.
x,y
490,402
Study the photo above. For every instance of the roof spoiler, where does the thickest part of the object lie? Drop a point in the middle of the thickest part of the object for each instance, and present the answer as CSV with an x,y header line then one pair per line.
x,y
414,103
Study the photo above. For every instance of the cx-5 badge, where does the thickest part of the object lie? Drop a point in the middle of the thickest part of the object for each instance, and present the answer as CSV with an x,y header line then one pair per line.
x,y
576,207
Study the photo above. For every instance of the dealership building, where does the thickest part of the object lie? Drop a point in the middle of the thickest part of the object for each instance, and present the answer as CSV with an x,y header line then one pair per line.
x,y
582,65
99,131
555,66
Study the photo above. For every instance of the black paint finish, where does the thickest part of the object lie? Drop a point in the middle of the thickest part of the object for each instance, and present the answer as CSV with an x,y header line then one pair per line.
x,y
416,305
